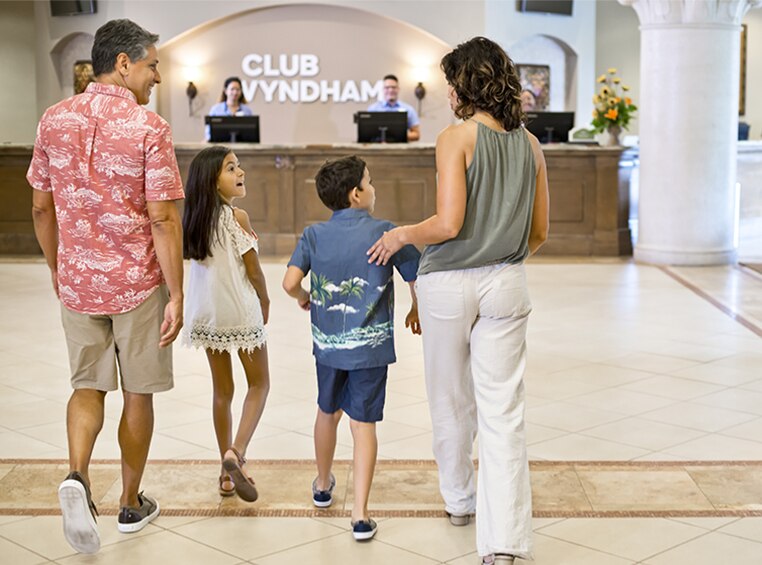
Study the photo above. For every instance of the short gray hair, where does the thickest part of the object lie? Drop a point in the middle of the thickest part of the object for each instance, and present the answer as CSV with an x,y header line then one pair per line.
x,y
119,36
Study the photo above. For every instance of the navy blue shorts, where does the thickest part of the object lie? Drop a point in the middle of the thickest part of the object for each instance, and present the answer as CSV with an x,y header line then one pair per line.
x,y
361,393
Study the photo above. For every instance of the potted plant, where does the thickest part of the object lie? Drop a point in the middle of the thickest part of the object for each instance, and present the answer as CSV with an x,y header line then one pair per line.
x,y
613,108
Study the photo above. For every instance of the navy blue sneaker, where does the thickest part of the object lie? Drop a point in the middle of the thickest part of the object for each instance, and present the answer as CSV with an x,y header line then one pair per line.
x,y
364,529
323,498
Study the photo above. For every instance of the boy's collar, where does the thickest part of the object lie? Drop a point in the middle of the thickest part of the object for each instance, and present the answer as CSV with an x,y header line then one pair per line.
x,y
349,213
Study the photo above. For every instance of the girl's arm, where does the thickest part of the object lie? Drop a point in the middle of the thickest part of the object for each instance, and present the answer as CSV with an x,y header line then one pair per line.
x,y
253,268
451,201
538,232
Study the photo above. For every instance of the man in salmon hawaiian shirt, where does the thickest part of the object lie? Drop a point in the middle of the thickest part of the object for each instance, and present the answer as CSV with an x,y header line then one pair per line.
x,y
105,182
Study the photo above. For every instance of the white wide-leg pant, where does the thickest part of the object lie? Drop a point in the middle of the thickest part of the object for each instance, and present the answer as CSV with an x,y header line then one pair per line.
x,y
474,343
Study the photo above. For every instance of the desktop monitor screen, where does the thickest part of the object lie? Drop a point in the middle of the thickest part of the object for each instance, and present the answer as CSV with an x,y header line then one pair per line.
x,y
550,127
381,127
72,7
233,129
563,7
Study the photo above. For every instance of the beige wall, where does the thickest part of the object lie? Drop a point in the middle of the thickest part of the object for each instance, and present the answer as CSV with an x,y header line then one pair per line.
x,y
603,33
618,45
754,73
18,119
351,45
617,35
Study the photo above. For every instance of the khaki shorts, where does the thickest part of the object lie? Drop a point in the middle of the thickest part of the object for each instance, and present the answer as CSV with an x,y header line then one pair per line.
x,y
97,343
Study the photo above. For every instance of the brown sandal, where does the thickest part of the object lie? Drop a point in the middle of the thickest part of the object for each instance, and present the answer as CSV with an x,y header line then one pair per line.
x,y
244,485
226,480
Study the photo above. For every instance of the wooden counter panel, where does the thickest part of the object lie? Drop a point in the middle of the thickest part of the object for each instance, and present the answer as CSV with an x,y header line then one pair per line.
x,y
589,207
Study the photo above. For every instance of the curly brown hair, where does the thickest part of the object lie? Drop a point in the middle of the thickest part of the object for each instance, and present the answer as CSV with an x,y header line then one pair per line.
x,y
484,78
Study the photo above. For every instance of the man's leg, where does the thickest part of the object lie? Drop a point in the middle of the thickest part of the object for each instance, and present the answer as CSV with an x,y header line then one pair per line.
x,y
90,343
84,420
135,431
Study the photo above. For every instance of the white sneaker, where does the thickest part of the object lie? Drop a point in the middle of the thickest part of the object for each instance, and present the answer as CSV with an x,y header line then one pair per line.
x,y
78,511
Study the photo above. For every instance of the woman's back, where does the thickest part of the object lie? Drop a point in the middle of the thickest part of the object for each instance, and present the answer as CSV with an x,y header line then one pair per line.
x,y
500,190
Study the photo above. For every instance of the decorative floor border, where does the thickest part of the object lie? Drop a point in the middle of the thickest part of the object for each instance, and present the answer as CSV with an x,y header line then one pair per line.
x,y
751,508
740,318
379,513
419,463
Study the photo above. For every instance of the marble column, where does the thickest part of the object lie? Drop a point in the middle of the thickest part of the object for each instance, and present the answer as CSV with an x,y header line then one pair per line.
x,y
688,116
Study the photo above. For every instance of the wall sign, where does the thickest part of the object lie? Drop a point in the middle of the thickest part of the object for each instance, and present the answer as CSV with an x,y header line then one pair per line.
x,y
290,78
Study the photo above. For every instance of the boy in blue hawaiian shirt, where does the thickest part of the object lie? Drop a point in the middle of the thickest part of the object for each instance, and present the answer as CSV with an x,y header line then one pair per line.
x,y
351,305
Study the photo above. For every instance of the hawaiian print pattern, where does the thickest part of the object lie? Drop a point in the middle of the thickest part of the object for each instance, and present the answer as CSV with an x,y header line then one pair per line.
x,y
351,301
104,157
363,331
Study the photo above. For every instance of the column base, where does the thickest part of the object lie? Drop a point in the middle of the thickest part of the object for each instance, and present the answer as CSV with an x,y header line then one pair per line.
x,y
684,257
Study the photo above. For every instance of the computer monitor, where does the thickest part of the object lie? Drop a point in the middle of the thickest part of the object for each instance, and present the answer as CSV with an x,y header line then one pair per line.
x,y
550,127
233,129
381,127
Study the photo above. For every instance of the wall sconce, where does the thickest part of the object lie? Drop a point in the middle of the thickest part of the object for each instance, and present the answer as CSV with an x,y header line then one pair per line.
x,y
420,93
191,92
420,74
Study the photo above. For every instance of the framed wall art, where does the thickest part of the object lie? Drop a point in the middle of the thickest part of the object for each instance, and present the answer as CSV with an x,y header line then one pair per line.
x,y
536,79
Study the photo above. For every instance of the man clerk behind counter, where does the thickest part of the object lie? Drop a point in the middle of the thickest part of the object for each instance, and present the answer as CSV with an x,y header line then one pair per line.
x,y
392,104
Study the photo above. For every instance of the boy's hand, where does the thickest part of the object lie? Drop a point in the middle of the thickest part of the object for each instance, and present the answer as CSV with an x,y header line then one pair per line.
x,y
412,321
304,301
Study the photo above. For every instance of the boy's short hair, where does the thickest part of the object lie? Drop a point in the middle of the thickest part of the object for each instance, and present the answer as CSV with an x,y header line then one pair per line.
x,y
337,178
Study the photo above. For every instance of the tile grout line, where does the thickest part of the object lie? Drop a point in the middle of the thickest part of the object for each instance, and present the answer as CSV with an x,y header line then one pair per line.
x,y
735,316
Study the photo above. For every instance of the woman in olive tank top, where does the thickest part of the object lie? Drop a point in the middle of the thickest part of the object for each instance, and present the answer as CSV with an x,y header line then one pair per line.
x,y
492,213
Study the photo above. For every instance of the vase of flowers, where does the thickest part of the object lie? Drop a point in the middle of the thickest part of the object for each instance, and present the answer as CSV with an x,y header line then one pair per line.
x,y
613,108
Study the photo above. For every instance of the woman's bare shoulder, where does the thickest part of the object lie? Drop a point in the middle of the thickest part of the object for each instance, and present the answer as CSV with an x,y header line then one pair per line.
x,y
458,133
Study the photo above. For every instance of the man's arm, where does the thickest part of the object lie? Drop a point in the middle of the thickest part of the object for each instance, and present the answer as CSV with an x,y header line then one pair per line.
x,y
414,133
166,228
46,230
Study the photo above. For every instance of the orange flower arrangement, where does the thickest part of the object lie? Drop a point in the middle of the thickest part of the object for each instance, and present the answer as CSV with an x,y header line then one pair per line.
x,y
612,107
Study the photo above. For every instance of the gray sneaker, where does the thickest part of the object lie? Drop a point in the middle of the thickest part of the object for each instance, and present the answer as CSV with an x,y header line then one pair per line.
x,y
497,559
135,519
78,511
459,520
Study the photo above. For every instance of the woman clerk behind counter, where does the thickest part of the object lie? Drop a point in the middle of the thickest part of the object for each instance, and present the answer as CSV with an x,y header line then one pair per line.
x,y
232,102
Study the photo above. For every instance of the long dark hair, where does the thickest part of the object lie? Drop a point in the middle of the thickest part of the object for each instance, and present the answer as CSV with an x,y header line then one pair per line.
x,y
224,96
484,78
202,202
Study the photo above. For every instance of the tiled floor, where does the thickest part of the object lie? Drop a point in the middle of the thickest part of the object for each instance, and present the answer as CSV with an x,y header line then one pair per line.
x,y
627,363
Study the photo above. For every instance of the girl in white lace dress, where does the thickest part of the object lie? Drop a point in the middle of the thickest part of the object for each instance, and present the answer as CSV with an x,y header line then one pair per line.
x,y
227,304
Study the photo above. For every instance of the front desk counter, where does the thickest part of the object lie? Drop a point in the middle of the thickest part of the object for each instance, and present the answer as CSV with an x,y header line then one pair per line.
x,y
588,213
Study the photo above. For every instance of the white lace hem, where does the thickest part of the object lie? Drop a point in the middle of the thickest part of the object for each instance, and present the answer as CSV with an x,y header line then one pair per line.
x,y
246,338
